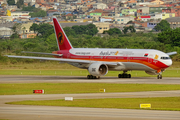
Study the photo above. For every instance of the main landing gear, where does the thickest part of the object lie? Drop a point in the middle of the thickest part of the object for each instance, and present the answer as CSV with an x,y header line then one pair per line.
x,y
93,77
159,76
124,75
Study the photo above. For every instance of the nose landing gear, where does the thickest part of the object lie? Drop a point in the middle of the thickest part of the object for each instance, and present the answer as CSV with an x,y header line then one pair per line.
x,y
159,76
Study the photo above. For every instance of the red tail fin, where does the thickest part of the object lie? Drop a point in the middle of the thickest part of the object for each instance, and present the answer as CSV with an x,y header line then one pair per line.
x,y
62,40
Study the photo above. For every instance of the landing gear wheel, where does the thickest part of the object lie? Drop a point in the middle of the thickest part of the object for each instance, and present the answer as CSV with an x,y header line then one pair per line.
x,y
129,75
120,76
124,75
88,76
92,77
159,76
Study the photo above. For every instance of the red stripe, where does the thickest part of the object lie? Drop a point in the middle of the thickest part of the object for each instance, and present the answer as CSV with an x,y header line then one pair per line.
x,y
154,64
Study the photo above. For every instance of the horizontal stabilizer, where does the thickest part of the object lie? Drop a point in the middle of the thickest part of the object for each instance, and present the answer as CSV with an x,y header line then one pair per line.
x,y
43,53
171,53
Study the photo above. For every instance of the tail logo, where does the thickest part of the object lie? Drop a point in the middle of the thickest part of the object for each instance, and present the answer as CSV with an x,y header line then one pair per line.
x,y
61,38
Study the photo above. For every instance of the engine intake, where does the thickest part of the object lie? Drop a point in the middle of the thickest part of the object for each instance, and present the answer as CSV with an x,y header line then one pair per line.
x,y
98,69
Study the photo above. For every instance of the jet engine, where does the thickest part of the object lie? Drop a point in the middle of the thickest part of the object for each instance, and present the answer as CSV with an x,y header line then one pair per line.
x,y
151,72
98,69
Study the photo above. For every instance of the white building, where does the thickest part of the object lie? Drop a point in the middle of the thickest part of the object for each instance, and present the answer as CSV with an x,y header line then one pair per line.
x,y
99,6
5,32
123,20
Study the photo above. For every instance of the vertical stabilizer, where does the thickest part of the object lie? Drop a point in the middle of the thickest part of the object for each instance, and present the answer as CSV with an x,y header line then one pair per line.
x,y
62,40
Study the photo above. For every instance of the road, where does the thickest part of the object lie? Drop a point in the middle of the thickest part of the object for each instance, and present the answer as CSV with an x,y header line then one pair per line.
x,y
25,112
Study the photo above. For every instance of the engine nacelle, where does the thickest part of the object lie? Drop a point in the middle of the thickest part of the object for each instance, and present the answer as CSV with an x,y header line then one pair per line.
x,y
98,69
151,72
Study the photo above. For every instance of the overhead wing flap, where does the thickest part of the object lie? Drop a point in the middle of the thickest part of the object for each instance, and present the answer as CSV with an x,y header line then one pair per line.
x,y
171,53
43,53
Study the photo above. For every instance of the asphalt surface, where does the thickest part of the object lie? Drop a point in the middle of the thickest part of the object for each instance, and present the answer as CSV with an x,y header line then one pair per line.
x,y
25,112
81,79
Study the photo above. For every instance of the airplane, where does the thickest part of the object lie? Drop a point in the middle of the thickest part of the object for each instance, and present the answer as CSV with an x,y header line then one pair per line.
x,y
98,61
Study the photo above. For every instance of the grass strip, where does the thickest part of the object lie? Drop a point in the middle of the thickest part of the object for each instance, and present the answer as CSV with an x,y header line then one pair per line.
x,y
70,88
80,72
159,103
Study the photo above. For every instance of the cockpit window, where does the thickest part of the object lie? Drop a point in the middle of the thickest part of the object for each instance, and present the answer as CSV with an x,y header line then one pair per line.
x,y
165,58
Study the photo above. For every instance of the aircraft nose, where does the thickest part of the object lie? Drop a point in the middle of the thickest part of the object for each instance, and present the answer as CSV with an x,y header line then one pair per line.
x,y
169,62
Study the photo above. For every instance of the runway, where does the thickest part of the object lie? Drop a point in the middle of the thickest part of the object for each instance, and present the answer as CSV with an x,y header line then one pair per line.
x,y
25,112
83,79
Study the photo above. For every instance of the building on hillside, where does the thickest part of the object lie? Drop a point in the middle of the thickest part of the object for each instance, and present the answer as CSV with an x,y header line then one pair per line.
x,y
156,9
25,31
145,18
140,24
152,24
106,19
53,12
167,15
5,32
46,7
50,1
102,26
123,20
156,16
176,11
174,22
40,1
31,2
99,6
142,11
12,7
158,2
69,16
128,12
19,14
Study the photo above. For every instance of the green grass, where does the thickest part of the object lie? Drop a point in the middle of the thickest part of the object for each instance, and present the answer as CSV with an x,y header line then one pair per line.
x,y
160,103
67,88
64,69
80,72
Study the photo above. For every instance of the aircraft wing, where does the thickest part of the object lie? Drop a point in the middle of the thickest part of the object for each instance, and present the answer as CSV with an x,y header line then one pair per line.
x,y
42,53
66,60
171,53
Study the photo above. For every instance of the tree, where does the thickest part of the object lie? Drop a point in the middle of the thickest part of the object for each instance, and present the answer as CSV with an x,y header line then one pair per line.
x,y
11,2
131,28
170,36
16,29
43,28
34,27
112,31
14,35
162,26
69,31
91,29
38,13
130,22
29,8
24,28
51,42
20,3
